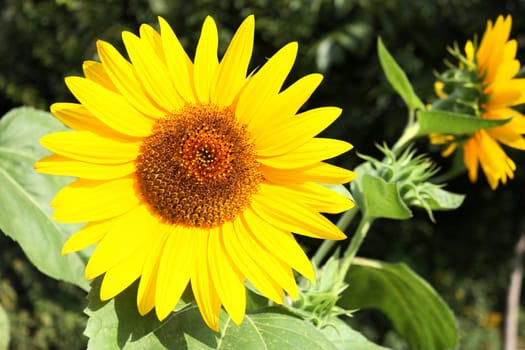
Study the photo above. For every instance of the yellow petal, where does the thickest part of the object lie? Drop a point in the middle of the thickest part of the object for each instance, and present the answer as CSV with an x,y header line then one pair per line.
x,y
280,243
248,264
227,279
485,44
206,61
77,117
517,123
438,89
295,132
491,51
264,85
319,198
469,51
111,108
148,279
130,232
510,66
121,73
152,39
175,268
296,95
122,275
202,283
95,72
88,235
129,269
281,210
90,200
507,136
495,163
470,157
281,272
179,64
449,149
518,84
283,107
231,73
88,147
311,152
152,73
320,172
506,93
59,165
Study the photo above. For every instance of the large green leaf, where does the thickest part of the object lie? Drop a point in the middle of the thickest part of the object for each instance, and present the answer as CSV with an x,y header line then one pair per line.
x,y
25,195
415,309
117,325
443,122
378,198
345,338
397,78
4,329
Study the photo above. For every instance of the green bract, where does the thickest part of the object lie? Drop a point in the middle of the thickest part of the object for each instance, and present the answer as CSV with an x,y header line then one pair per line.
x,y
318,302
386,188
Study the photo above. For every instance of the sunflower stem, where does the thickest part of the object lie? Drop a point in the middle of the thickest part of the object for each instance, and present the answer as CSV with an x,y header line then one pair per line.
x,y
408,135
322,252
327,245
345,219
355,243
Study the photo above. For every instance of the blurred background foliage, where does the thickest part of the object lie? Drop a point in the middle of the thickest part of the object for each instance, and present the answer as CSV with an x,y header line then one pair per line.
x,y
467,256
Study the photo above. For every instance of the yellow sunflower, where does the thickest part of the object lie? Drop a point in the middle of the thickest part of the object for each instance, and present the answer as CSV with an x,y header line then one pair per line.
x,y
192,172
496,67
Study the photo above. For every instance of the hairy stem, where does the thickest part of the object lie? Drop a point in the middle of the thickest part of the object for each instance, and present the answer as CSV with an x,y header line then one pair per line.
x,y
352,249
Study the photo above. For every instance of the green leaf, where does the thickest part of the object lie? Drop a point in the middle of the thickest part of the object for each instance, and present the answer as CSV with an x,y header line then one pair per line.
x,y
379,199
444,122
4,329
397,78
415,309
345,338
26,195
117,325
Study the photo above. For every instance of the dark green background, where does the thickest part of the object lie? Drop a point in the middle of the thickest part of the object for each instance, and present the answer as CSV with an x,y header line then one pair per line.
x,y
467,255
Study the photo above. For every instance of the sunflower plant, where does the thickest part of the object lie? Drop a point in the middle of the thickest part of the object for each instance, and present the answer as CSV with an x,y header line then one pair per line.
x,y
185,184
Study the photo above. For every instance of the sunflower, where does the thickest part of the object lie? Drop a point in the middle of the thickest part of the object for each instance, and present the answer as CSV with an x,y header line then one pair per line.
x,y
193,173
493,66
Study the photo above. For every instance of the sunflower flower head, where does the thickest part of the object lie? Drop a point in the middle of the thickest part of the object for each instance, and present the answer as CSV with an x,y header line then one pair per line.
x,y
192,173
484,85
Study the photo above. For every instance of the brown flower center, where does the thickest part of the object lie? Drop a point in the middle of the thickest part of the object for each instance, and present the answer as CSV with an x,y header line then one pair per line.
x,y
198,167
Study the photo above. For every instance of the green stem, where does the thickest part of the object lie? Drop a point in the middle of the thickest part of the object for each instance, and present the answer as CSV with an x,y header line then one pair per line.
x,y
411,117
327,245
408,135
345,219
355,243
